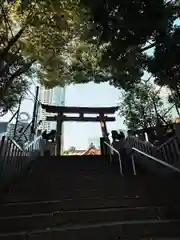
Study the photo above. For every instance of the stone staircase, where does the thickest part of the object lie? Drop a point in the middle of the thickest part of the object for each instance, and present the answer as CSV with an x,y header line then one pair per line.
x,y
84,197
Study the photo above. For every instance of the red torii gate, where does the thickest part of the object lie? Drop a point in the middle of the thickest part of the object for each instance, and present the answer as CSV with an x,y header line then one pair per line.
x,y
61,116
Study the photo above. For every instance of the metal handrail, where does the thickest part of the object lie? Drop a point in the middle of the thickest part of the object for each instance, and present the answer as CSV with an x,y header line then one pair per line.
x,y
168,141
119,156
157,160
14,156
29,145
157,147
34,141
15,143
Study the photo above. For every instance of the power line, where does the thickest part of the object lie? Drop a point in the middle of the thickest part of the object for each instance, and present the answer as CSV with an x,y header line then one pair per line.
x,y
31,93
26,98
32,80
39,102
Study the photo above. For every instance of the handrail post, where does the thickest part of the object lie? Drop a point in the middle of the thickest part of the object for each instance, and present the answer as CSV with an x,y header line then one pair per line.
x,y
2,144
119,156
102,144
133,166
110,154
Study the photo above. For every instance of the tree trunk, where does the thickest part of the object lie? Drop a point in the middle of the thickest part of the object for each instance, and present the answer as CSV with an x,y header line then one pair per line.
x,y
148,47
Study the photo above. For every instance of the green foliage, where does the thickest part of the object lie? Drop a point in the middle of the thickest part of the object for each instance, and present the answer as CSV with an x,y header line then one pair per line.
x,y
72,41
14,92
69,151
35,37
47,27
165,65
130,28
142,107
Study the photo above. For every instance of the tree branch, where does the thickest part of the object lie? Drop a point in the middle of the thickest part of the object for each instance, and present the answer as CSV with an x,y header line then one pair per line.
x,y
148,47
12,41
18,73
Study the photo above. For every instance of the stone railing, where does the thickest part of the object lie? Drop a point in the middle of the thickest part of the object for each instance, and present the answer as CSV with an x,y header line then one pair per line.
x,y
169,152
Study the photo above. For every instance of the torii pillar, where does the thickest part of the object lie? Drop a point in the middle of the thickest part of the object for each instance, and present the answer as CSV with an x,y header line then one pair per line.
x,y
103,126
104,148
59,133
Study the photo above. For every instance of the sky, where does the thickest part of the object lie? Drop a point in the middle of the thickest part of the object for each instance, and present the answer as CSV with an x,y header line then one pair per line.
x,y
87,95
90,95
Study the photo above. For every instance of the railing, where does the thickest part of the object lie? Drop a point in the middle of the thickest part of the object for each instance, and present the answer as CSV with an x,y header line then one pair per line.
x,y
146,147
34,145
13,158
156,160
119,156
168,152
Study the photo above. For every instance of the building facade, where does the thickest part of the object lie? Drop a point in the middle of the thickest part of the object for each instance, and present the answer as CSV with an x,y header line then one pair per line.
x,y
3,128
45,97
56,97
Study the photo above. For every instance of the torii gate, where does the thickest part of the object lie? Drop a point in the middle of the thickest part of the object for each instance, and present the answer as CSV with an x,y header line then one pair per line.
x,y
60,117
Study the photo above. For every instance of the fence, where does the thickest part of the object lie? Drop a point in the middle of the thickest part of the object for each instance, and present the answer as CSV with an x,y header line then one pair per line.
x,y
13,158
169,152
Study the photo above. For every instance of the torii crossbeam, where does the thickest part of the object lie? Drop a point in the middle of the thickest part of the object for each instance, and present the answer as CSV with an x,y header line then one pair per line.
x,y
61,116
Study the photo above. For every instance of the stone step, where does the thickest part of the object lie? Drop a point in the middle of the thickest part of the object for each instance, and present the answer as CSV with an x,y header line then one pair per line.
x,y
39,206
135,230
64,218
69,177
60,192
81,195
74,172
88,189
62,195
76,176
74,158
85,197
137,182
76,163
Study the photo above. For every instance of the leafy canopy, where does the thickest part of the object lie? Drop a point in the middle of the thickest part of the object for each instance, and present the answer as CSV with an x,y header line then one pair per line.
x,y
142,107
130,28
34,42
67,41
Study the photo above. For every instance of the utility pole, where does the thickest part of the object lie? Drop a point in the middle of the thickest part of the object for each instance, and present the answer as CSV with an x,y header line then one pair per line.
x,y
34,117
17,118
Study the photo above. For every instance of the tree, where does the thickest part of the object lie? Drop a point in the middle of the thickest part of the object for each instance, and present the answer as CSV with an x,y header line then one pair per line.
x,y
73,41
12,65
142,107
175,101
165,65
69,150
130,28
37,34
13,95
20,85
